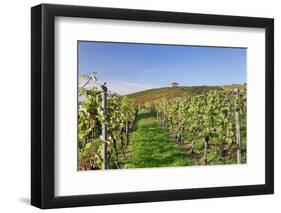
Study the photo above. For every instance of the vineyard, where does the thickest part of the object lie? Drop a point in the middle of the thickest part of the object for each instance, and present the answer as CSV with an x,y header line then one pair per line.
x,y
182,126
169,92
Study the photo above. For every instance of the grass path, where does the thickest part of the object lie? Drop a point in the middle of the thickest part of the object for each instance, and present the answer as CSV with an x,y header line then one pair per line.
x,y
152,146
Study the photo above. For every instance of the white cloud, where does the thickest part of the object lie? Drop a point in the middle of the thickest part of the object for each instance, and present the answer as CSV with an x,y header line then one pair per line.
x,y
121,87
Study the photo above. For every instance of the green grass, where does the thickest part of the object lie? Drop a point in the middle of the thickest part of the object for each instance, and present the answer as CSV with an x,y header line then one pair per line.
x,y
152,146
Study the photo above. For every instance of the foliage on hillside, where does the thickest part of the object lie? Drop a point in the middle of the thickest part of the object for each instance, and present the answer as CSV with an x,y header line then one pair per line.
x,y
170,92
241,87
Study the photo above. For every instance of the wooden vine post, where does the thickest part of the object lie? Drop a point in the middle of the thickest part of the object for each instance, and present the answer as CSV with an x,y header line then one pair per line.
x,y
179,136
127,129
104,129
237,124
206,140
157,116
164,116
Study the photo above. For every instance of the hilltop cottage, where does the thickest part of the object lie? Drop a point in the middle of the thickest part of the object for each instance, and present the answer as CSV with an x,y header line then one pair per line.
x,y
175,84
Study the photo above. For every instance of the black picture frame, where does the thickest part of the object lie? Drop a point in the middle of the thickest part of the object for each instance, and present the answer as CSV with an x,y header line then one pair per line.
x,y
43,102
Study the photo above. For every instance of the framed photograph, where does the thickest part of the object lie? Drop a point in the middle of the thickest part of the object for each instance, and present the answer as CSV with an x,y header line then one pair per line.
x,y
139,106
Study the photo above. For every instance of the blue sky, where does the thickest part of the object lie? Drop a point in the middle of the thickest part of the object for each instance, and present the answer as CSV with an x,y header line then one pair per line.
x,y
129,67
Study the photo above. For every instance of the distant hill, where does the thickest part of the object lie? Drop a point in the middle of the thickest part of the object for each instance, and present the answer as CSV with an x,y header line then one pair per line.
x,y
233,86
178,91
169,92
